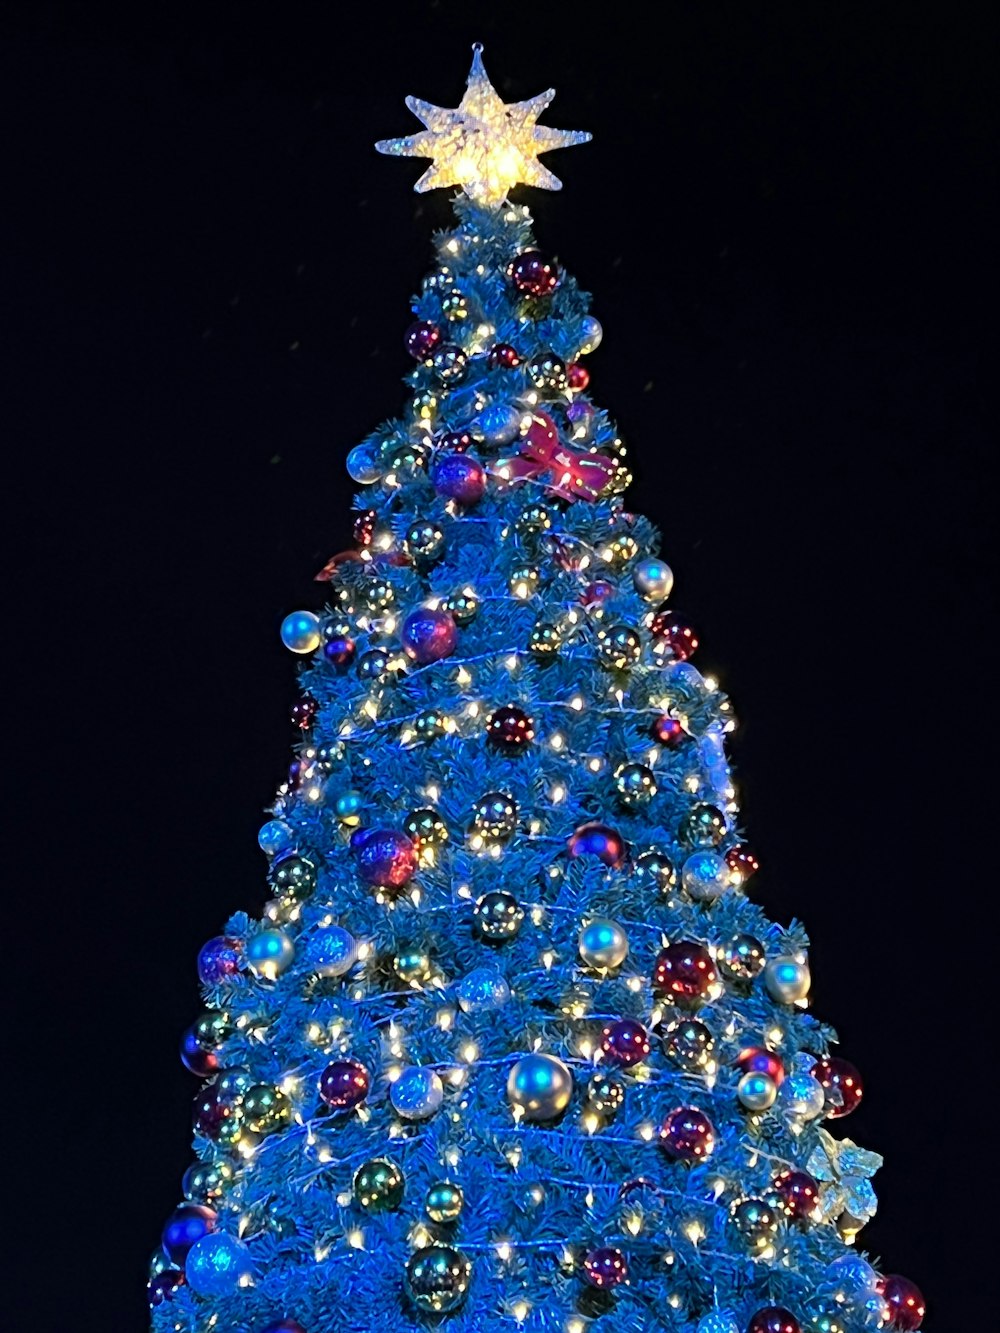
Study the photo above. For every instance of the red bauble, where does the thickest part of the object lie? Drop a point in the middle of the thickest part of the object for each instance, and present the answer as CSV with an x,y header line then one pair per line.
x,y
669,732
504,356
685,973
344,1084
421,338
595,839
533,274
455,442
907,1306
759,1060
577,376
211,1110
798,1192
364,527
842,1080
510,729
688,1134
742,862
625,1042
597,592
774,1319
303,711
606,1267
428,634
671,637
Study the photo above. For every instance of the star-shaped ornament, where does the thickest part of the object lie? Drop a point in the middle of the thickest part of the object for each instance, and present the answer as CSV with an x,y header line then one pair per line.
x,y
484,144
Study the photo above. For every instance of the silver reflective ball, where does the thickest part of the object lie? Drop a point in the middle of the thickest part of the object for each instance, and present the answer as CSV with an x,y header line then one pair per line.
x,y
802,1097
787,979
539,1086
756,1091
603,943
653,579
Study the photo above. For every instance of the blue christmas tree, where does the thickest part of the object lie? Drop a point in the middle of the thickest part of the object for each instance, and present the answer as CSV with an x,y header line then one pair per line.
x,y
512,1047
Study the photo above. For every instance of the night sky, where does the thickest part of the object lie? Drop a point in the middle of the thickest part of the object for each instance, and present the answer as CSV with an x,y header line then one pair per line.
x,y
206,272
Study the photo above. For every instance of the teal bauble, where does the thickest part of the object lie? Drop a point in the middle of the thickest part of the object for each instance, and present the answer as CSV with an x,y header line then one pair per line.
x,y
437,1279
444,1202
348,806
300,632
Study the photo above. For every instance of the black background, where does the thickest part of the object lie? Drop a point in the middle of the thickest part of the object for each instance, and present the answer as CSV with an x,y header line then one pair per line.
x,y
783,220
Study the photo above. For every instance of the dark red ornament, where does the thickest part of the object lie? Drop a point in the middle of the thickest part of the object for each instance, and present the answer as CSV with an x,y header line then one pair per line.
x,y
303,711
455,442
339,651
798,1192
344,1084
759,1060
211,1110
364,527
597,592
577,376
285,1326
671,637
742,861
510,728
533,274
429,634
605,1268
774,1319
688,1135
595,839
387,858
668,731
504,357
685,973
841,1083
421,338
162,1287
625,1042
907,1306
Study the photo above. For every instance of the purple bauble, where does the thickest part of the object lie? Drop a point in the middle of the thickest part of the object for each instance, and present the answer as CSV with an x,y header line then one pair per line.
x,y
605,1267
421,338
285,1326
339,651
162,1287
185,1225
387,859
212,1109
344,1084
688,1134
428,635
459,477
625,1042
218,960
598,840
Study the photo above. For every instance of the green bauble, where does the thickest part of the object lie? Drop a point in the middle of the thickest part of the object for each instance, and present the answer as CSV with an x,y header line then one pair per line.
x,y
294,878
427,829
455,305
703,826
619,647
498,916
742,958
634,784
547,372
266,1110
207,1182
430,726
494,820
445,1201
437,1279
424,540
545,640
213,1029
379,594
379,1186
757,1223
605,1094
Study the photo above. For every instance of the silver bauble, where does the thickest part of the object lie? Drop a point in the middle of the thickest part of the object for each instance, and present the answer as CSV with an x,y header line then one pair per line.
x,y
653,579
706,876
756,1090
539,1086
417,1094
603,943
801,1097
787,979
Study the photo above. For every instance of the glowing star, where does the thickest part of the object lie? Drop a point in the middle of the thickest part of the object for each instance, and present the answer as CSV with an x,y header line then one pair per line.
x,y
484,145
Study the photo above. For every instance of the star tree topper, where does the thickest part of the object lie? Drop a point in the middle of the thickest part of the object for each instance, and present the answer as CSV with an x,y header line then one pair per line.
x,y
485,145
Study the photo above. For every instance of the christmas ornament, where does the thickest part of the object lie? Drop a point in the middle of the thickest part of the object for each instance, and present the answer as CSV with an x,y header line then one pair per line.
x,y
413,966
186,1225
635,784
300,632
217,1115
605,1094
801,1097
705,876
841,1083
798,1194
787,979
653,579
597,840
656,867
293,878
373,666
620,549
759,1060
331,952
757,1091
339,651
379,594
742,958
742,862
539,1087
364,464
421,338
603,943
619,647
462,605
548,373
577,377
703,826
455,306
274,837
494,820
208,1182
545,639
907,1306
625,1042
685,974
568,472
385,857
460,478
417,1094
348,807
672,639
269,954
533,519
379,1186
850,1279
605,1268
757,1224
218,1265
202,1043
591,334
162,1286
689,1044
424,541
498,915
482,989
504,357
428,831
523,581
774,1319
364,527
533,274
669,732
718,1321
302,712
498,424
510,729
437,1279
688,1135
344,1084
444,1202
266,1109
448,362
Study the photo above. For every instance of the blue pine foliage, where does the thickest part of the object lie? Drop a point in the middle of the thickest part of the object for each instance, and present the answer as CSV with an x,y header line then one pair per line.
x,y
376,946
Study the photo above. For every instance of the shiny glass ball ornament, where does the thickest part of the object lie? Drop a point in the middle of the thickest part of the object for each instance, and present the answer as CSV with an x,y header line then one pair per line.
x,y
798,1194
841,1083
430,725
274,837
548,373
373,666
757,1091
533,519
759,1060
673,640
421,338
591,334
540,1087
850,1278
801,1097
328,756
455,306
606,1268
330,952
498,423
669,732
417,1094
703,827
161,1287
363,529
413,966
266,1110
510,729
625,1042
285,1326
603,943
455,442
302,712
655,867
293,878
344,1084
773,1319
577,376
826,1323
685,974
622,548
379,594
787,979
481,990
619,647
459,477
379,1186
757,1223
688,1135
690,1045
705,876
523,581
504,357
364,464
449,363
545,639
426,828
498,915
208,1182
217,1265
386,858
533,273
339,651
348,807
437,1279
596,593
742,958
186,1225
605,1094
907,1306
300,632
652,579
594,839
495,816
424,541
635,784
202,1043
270,953
462,605
442,280
742,862
444,1202
212,1110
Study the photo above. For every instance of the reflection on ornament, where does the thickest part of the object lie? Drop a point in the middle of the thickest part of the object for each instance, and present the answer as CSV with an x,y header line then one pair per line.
x,y
605,1094
606,1268
300,632
759,1060
498,915
331,952
625,1042
757,1224
689,1044
437,1279
787,979
706,877
907,1306
533,274
801,1097
417,1094
459,478
379,1185
444,1202
688,1135
841,1083
595,839
269,954
481,990
344,1084
539,1087
186,1225
510,729
657,868
798,1194
421,339
653,579
386,858
603,943
428,635
704,827
774,1319
266,1109
685,973
757,1091
635,784
591,334
742,958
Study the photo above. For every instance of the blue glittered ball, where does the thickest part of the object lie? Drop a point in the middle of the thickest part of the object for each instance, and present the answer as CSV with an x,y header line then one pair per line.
x,y
218,1265
186,1225
300,632
274,837
417,1093
218,959
718,1322
428,635
364,464
387,859
331,952
484,988
459,477
499,423
706,876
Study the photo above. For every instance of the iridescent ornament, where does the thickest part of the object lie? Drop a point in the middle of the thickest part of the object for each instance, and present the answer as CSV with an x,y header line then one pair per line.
x,y
787,979
547,372
455,305
605,1094
498,915
625,1042
379,1185
339,651
595,839
577,377
274,837
348,807
186,1225
293,878
424,541
430,725
689,1044
545,639
774,1319
417,1094
757,1223
459,477
685,974
481,990
208,1182
270,953
757,1091
656,867
523,581
850,1279
907,1306
494,818
386,858
427,830
603,943
705,876
533,519
510,729
801,1097
653,579
344,1084
218,1265
841,1083
669,732
742,862
444,1202
379,594
688,1135
635,784
622,548
462,605
533,273
606,1268
798,1194
504,357
202,1043
673,640
591,334
421,338
331,952
413,965
742,958
266,1109
448,362
539,1087
162,1287
704,827
437,1279
619,647
759,1060
364,464
300,632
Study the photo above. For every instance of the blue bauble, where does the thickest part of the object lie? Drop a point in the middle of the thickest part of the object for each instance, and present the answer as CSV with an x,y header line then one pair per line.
x,y
348,806
331,952
539,1086
484,988
685,676
269,953
300,632
186,1225
417,1094
387,858
218,1265
274,837
364,464
499,423
428,634
459,477
218,959
850,1278
706,876
718,1322
591,334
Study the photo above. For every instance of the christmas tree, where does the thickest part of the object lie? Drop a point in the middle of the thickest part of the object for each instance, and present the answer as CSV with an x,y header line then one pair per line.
x,y
512,1046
